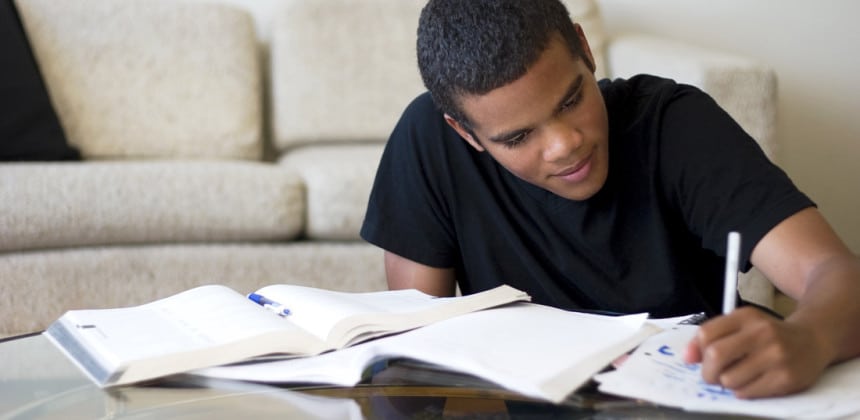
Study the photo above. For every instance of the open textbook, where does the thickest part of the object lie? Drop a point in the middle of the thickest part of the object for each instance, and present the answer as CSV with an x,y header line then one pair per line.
x,y
213,325
538,351
656,372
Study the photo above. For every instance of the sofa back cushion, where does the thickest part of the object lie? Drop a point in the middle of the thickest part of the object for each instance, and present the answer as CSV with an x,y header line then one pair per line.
x,y
29,128
150,78
344,70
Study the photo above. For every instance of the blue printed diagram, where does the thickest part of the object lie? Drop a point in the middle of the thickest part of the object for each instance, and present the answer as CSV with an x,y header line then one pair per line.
x,y
685,377
672,373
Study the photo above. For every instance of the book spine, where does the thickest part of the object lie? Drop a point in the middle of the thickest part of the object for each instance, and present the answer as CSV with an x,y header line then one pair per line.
x,y
60,334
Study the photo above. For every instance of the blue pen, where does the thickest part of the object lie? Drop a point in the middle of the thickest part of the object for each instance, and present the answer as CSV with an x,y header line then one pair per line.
x,y
269,304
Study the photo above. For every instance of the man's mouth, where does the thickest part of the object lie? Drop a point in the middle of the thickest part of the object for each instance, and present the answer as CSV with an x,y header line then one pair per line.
x,y
577,172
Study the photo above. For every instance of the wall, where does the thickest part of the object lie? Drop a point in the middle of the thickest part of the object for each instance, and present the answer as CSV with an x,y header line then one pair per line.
x,y
813,47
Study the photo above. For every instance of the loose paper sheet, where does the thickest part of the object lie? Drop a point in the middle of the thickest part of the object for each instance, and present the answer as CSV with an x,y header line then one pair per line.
x,y
656,372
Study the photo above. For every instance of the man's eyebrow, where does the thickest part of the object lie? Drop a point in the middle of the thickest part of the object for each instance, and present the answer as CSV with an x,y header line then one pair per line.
x,y
574,87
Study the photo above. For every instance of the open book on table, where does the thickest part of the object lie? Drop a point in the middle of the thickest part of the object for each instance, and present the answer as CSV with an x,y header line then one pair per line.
x,y
214,325
535,350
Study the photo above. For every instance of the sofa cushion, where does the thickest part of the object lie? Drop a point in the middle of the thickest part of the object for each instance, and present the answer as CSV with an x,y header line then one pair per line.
x,y
29,129
342,69
47,205
743,86
150,78
337,179
134,275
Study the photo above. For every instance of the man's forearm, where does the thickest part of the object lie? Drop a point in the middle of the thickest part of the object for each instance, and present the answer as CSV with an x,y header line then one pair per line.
x,y
830,305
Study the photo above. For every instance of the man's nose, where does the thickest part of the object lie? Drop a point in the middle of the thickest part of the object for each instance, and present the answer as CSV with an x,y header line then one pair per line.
x,y
561,142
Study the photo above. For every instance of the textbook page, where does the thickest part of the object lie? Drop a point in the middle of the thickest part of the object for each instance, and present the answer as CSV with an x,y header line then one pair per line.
x,y
536,350
656,372
342,318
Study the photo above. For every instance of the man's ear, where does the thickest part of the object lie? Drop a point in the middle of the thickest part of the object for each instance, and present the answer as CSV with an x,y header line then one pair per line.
x,y
586,50
464,133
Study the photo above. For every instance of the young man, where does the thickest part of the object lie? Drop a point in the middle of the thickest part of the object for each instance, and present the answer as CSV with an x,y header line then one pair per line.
x,y
613,195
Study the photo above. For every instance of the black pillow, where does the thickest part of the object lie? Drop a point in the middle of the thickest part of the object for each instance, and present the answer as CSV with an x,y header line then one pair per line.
x,y
29,128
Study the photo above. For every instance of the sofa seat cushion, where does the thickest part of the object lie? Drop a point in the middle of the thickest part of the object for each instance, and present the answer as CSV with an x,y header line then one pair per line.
x,y
50,205
150,78
337,179
134,275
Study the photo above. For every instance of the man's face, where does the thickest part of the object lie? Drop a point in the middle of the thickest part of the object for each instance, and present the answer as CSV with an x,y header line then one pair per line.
x,y
548,127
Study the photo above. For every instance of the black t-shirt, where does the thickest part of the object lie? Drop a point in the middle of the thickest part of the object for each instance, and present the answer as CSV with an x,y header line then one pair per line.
x,y
682,174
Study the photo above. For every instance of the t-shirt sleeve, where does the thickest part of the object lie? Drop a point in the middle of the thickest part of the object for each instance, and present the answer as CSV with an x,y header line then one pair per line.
x,y
408,212
719,177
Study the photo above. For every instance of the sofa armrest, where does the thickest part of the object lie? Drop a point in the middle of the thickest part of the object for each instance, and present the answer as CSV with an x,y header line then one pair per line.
x,y
745,88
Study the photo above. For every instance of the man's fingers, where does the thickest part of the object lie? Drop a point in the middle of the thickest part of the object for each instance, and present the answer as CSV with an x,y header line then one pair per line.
x,y
708,333
693,352
772,383
745,372
721,326
724,344
722,353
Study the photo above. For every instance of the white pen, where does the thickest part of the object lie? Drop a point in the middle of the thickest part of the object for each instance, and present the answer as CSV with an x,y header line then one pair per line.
x,y
730,291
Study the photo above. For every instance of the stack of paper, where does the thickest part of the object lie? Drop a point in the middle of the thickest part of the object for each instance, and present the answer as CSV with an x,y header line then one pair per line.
x,y
656,372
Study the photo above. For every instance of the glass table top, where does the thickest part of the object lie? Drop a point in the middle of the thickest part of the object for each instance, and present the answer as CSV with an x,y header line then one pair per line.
x,y
37,381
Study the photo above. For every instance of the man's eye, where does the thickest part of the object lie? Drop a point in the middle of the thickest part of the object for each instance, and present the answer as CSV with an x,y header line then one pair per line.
x,y
572,102
516,141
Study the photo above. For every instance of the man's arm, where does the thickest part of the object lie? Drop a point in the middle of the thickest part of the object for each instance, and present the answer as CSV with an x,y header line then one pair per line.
x,y
757,355
403,273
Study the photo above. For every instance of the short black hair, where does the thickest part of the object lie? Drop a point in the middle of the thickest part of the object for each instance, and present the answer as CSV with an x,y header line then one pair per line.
x,y
470,47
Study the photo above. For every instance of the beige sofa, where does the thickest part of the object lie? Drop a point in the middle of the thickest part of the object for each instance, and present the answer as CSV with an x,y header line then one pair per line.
x,y
236,143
